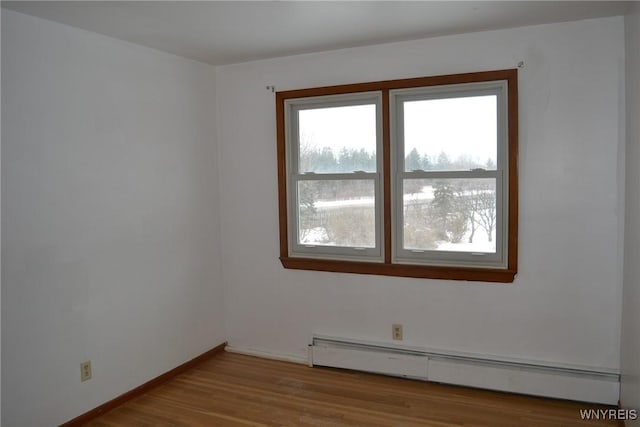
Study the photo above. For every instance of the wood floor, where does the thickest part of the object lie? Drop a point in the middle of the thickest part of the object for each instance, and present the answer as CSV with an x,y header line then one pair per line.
x,y
237,390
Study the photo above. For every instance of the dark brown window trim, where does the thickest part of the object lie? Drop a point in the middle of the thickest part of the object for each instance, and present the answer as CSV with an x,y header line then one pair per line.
x,y
387,268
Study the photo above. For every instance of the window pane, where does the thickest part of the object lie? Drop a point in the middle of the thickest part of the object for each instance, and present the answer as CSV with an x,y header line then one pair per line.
x,y
450,215
337,139
451,133
337,213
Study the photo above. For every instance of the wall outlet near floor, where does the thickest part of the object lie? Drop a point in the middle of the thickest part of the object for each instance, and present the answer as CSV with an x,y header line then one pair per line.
x,y
397,332
85,370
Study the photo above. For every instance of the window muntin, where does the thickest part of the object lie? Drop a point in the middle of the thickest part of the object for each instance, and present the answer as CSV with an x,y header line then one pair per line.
x,y
491,185
334,146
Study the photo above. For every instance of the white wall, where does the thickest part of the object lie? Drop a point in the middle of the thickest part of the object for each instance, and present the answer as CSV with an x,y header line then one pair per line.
x,y
0,222
630,387
110,222
112,183
565,304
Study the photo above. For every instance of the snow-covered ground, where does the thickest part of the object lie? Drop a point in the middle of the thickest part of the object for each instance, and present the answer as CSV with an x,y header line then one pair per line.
x,y
425,194
316,236
480,244
319,235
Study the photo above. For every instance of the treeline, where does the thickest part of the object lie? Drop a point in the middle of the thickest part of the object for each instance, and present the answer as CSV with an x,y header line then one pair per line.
x,y
349,160
414,161
346,161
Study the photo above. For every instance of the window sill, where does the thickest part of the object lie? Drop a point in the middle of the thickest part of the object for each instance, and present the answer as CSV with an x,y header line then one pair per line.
x,y
401,270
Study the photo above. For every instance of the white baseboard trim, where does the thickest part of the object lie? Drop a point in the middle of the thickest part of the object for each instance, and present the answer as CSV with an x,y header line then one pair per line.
x,y
511,376
515,376
267,354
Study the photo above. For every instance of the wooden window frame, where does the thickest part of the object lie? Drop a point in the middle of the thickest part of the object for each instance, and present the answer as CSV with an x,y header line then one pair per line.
x,y
388,267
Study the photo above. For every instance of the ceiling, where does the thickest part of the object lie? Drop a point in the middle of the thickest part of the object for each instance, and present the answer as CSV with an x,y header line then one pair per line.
x,y
225,32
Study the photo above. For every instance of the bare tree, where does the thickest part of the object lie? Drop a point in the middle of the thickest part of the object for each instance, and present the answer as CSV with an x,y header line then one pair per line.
x,y
469,199
307,153
307,210
486,212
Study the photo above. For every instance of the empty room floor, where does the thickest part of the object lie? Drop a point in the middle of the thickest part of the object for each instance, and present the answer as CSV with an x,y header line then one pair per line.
x,y
236,390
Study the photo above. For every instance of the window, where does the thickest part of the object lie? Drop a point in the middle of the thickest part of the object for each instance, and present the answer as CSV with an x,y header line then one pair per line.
x,y
413,177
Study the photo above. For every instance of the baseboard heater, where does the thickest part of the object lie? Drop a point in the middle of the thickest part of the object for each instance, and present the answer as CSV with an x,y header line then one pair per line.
x,y
516,376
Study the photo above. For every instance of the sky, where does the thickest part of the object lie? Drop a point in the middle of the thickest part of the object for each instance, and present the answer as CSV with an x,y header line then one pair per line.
x,y
455,125
337,127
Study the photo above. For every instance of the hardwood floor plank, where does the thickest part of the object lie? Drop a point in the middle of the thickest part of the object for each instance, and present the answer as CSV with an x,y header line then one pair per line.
x,y
236,390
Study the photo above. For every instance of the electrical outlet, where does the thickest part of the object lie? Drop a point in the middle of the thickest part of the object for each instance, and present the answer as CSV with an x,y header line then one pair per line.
x,y
85,370
397,332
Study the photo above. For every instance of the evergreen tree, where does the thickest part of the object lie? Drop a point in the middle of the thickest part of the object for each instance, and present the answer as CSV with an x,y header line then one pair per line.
x,y
442,205
443,162
449,211
344,160
412,161
326,161
425,163
350,160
